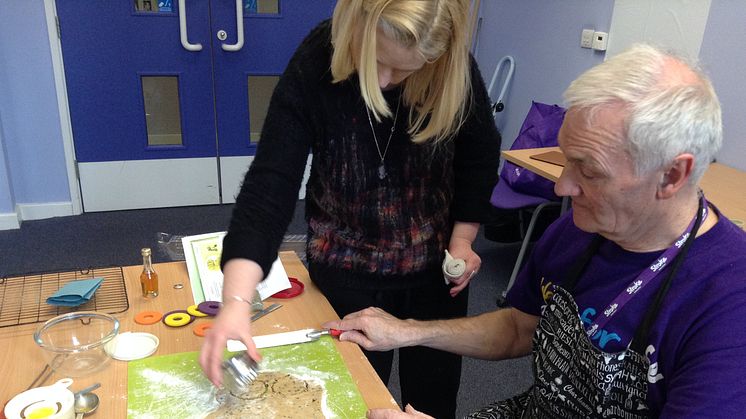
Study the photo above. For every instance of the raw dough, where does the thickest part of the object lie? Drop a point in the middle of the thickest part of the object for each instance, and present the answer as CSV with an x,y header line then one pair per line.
x,y
274,395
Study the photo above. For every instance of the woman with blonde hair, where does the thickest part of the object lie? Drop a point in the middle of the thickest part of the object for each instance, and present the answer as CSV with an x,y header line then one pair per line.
x,y
405,155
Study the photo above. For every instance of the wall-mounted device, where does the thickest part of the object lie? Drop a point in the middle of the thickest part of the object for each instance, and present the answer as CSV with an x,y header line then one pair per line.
x,y
591,38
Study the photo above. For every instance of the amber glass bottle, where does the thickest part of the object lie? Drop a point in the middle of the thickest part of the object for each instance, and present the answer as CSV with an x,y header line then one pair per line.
x,y
148,277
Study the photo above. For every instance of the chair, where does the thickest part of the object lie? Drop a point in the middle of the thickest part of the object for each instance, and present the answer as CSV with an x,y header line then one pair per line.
x,y
519,188
506,198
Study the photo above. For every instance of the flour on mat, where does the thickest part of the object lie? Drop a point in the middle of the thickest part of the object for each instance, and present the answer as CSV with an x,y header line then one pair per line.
x,y
178,387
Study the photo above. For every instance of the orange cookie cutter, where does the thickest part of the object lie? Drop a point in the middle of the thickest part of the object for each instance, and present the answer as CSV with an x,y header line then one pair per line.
x,y
148,317
202,328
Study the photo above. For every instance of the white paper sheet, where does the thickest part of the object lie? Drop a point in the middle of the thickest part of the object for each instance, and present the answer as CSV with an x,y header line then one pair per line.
x,y
202,253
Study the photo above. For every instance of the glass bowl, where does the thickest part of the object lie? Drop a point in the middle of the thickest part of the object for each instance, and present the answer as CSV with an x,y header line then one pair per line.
x,y
73,343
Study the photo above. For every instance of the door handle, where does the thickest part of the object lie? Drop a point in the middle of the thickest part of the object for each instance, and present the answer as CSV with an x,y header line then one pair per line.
x,y
183,29
239,30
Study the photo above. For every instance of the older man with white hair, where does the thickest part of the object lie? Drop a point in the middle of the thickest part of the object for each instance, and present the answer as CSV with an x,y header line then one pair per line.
x,y
632,303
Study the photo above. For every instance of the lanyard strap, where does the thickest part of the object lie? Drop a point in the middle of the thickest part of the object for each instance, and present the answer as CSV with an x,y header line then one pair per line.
x,y
646,276
640,340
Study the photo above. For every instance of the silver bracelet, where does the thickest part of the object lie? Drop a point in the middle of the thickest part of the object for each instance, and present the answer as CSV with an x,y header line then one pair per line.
x,y
239,298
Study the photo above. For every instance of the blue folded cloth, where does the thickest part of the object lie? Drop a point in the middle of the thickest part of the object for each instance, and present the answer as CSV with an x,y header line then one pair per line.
x,y
75,293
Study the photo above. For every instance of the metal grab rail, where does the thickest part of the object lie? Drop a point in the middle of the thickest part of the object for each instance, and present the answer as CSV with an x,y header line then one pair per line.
x,y
183,29
239,30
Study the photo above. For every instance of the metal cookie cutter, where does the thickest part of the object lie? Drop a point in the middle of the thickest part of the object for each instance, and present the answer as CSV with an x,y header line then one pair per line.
x,y
239,371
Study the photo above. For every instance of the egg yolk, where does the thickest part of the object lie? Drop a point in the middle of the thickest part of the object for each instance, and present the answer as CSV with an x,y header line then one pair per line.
x,y
41,413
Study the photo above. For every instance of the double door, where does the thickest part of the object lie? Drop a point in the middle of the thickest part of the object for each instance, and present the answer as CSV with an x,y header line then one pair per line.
x,y
167,99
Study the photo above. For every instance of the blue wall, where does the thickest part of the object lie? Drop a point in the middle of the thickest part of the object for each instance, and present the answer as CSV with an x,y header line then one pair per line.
x,y
31,133
544,39
723,59
6,193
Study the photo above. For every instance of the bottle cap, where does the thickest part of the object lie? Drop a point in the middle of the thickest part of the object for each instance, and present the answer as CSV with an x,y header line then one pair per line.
x,y
145,251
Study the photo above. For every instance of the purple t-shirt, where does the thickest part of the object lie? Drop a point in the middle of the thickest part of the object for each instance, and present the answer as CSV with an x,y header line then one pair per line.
x,y
697,344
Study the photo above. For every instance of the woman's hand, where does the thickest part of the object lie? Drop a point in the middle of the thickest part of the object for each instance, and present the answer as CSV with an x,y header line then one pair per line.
x,y
232,322
240,277
460,248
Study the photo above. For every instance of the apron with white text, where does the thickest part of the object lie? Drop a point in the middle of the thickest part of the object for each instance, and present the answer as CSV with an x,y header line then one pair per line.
x,y
573,378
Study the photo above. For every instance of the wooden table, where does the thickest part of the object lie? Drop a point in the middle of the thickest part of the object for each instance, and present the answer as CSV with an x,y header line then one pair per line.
x,y
723,185
523,158
21,360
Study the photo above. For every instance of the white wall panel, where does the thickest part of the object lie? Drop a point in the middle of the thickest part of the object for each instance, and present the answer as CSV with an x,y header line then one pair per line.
x,y
675,24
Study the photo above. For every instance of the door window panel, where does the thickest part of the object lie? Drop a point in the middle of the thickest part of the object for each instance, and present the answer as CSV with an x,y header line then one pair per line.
x,y
260,92
162,114
261,7
154,6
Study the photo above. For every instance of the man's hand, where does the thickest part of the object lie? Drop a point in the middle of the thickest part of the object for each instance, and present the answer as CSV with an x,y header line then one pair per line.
x,y
373,329
409,412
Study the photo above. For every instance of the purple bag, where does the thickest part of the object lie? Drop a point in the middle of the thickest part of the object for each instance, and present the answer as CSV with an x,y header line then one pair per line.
x,y
539,129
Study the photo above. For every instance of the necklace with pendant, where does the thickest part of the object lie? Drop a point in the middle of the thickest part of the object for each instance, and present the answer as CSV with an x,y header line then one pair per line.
x,y
382,155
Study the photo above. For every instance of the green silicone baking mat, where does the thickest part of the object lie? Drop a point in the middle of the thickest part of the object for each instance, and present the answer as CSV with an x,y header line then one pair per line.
x,y
173,386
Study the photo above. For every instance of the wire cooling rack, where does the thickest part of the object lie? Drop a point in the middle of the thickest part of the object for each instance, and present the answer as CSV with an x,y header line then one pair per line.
x,y
23,299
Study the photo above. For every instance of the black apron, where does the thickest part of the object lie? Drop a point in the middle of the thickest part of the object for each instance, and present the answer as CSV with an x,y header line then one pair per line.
x,y
573,378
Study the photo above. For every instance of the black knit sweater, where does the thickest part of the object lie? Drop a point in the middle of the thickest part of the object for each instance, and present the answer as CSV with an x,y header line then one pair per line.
x,y
357,221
